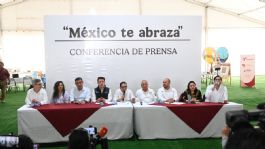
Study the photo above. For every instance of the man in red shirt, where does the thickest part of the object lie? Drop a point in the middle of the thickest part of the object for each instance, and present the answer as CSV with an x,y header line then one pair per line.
x,y
4,79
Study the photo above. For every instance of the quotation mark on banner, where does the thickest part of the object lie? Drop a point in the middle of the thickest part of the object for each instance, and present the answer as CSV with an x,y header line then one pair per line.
x,y
65,28
180,27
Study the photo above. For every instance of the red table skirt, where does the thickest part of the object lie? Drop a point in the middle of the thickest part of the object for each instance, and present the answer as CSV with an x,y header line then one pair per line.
x,y
196,116
66,117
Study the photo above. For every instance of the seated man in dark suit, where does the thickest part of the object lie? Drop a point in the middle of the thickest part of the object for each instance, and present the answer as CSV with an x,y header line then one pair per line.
x,y
101,93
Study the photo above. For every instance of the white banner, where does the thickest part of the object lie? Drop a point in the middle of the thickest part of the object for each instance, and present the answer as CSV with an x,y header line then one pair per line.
x,y
123,48
247,70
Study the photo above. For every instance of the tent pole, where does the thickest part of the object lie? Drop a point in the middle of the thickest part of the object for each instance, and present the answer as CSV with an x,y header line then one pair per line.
x,y
206,32
71,7
140,7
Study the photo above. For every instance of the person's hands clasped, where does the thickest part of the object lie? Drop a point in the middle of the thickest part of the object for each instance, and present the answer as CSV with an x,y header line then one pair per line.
x,y
100,100
171,100
35,100
133,100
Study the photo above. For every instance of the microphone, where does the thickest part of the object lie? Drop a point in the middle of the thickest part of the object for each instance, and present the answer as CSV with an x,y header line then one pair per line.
x,y
123,92
141,102
102,132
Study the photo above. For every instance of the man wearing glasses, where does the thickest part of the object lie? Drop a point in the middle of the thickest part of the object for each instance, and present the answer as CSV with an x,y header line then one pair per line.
x,y
216,92
123,94
145,94
36,95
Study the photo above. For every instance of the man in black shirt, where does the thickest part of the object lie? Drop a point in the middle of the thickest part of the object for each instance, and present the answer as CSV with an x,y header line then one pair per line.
x,y
101,93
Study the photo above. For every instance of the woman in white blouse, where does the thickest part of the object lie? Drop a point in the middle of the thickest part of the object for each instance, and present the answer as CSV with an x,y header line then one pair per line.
x,y
59,94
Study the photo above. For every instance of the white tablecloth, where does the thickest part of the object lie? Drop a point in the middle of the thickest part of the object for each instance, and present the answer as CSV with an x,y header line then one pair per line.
x,y
154,122
150,122
117,118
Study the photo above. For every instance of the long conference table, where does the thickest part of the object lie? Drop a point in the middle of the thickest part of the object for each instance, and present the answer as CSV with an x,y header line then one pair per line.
x,y
54,123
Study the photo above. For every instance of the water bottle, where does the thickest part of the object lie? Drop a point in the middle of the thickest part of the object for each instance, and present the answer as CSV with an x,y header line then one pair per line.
x,y
158,101
189,98
114,102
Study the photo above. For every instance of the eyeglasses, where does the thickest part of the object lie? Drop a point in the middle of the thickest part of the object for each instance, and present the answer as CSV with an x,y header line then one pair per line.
x,y
123,86
38,84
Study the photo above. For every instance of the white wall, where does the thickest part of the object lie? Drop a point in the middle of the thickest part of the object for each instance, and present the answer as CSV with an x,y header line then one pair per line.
x,y
23,50
224,30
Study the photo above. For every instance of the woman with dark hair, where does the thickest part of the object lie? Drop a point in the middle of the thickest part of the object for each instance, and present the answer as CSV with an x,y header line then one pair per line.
x,y
191,93
246,139
59,94
79,139
243,136
25,142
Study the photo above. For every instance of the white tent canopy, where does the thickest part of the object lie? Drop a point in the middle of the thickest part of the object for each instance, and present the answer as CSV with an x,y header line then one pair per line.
x,y
252,10
238,25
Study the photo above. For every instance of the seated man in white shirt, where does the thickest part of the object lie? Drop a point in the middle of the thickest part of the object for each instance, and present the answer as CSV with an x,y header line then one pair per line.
x,y
80,94
166,93
216,92
123,94
101,93
145,94
36,95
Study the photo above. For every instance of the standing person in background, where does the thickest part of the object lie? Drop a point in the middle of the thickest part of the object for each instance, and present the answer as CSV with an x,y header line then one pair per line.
x,y
59,94
216,92
167,93
4,80
101,93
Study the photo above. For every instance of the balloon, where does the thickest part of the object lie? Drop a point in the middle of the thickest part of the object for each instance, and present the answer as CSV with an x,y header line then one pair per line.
x,y
222,52
209,55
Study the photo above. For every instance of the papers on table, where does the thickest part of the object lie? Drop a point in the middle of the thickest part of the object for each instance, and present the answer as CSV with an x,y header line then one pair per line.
x,y
178,103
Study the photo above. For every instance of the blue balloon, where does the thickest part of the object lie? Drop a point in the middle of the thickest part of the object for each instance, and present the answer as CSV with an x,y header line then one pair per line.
x,y
222,52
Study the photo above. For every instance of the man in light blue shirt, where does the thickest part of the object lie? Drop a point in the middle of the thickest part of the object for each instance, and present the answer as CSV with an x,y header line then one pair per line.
x,y
80,94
